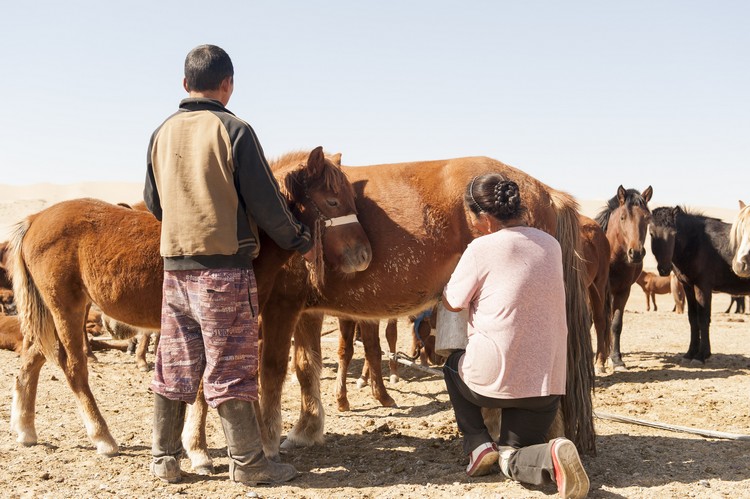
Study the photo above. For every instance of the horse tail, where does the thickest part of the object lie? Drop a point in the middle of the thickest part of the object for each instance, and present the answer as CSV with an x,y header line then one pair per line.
x,y
34,315
576,404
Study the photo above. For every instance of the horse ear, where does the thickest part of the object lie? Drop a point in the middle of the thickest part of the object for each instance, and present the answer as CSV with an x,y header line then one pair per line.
x,y
316,162
742,204
647,193
621,194
335,159
676,211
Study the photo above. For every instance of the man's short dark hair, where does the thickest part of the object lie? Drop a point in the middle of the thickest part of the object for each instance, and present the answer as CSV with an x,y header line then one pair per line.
x,y
206,66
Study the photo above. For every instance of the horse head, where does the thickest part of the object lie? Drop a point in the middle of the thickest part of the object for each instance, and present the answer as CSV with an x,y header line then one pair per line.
x,y
324,200
625,221
740,242
663,229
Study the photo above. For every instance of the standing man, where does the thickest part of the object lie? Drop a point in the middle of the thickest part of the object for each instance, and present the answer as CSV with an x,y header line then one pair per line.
x,y
209,184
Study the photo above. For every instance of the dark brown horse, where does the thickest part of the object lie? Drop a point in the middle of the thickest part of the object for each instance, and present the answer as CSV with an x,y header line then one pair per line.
x,y
698,250
86,250
625,221
414,216
596,257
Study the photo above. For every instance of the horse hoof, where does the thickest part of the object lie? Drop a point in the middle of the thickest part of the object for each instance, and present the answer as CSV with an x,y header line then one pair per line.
x,y
107,449
394,378
600,370
388,402
344,406
26,439
620,368
361,383
697,363
204,469
287,445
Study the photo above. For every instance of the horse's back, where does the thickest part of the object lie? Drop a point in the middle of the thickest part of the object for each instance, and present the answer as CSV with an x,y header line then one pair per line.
x,y
87,248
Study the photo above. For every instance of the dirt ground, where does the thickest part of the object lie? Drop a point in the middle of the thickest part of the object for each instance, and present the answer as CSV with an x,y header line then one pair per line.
x,y
414,450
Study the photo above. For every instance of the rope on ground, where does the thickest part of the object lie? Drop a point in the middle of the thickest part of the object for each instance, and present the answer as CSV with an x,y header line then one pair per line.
x,y
665,426
404,359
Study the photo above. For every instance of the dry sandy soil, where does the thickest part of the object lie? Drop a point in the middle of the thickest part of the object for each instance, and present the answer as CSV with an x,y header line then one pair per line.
x,y
414,450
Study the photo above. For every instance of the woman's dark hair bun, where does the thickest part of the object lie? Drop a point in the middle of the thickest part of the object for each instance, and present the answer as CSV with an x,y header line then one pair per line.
x,y
493,194
507,198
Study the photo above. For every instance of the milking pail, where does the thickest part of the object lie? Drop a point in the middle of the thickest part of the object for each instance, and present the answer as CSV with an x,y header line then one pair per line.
x,y
452,330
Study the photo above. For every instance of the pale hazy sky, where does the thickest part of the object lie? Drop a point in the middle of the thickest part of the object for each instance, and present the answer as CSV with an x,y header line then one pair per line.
x,y
585,96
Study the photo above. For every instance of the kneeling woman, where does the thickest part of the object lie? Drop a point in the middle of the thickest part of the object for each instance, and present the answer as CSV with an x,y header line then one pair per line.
x,y
511,281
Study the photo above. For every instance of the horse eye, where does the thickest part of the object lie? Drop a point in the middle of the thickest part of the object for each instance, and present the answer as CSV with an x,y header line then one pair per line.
x,y
332,202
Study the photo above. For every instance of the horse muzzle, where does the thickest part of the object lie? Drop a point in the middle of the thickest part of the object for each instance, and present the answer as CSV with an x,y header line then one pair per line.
x,y
664,271
356,259
741,268
636,256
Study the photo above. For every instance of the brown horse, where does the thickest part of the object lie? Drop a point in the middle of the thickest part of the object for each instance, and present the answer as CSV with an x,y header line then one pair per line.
x,y
625,221
596,258
371,372
653,285
423,347
86,250
414,216
739,240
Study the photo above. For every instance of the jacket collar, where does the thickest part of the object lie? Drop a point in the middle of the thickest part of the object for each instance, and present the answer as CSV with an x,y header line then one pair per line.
x,y
202,104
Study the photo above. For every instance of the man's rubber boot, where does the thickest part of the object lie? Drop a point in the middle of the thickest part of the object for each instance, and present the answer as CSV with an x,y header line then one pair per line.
x,y
247,462
169,417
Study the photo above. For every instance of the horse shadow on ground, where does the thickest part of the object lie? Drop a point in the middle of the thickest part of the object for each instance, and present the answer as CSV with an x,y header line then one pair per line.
x,y
675,368
623,461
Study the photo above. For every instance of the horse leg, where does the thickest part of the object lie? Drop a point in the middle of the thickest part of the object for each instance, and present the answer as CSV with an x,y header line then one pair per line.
x,y
364,377
144,338
89,351
653,299
374,355
194,435
308,364
73,361
703,297
692,304
391,336
618,306
278,326
23,407
602,334
346,350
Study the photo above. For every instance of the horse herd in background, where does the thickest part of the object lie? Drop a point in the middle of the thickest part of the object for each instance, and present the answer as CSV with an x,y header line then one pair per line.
x,y
412,229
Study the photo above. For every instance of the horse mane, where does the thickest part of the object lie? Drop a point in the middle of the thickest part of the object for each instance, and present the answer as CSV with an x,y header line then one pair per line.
x,y
633,197
739,226
664,216
296,183
332,178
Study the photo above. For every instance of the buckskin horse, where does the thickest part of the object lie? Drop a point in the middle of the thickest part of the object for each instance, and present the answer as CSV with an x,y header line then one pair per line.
x,y
87,250
414,217
625,221
697,249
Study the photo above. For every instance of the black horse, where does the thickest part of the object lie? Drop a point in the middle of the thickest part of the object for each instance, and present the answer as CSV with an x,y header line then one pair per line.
x,y
697,249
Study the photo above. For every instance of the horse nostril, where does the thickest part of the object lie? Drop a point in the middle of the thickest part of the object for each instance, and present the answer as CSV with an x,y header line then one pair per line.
x,y
363,255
